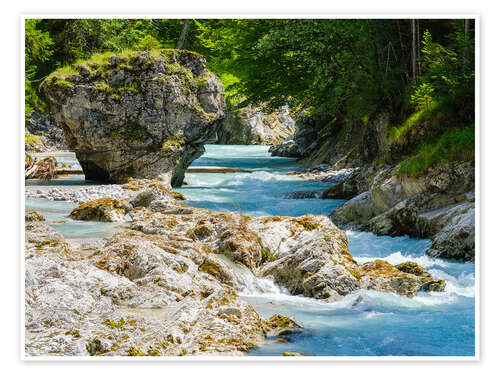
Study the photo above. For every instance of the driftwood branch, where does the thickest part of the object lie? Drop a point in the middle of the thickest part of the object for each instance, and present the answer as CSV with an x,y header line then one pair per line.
x,y
44,169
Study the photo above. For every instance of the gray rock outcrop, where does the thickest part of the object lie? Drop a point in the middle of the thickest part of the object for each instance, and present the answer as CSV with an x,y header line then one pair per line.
x,y
345,143
51,135
252,126
439,205
299,144
137,115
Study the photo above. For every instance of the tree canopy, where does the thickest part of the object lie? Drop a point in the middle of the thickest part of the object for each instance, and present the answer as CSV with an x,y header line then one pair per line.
x,y
337,67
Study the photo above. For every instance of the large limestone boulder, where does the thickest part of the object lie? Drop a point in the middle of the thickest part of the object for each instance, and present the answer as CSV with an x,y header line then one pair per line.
x,y
309,255
137,115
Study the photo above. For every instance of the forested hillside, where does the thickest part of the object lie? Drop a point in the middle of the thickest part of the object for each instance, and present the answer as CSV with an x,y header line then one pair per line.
x,y
342,75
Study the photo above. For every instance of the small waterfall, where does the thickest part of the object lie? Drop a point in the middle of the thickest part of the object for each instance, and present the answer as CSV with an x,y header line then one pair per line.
x,y
248,283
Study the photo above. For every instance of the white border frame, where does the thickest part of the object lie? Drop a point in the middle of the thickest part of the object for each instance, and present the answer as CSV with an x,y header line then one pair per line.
x,y
270,15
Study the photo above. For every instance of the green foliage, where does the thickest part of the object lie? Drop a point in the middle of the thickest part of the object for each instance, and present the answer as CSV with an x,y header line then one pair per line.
x,y
343,71
454,145
325,64
113,324
422,98
32,139
414,120
444,98
449,72
148,43
267,256
59,43
37,49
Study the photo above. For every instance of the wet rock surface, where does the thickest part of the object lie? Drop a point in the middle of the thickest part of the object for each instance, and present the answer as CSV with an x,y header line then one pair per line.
x,y
405,279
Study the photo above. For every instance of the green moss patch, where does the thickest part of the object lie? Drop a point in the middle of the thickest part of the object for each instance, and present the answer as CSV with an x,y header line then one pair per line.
x,y
454,145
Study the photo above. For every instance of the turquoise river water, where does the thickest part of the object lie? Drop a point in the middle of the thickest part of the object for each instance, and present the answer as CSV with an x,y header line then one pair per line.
x,y
377,324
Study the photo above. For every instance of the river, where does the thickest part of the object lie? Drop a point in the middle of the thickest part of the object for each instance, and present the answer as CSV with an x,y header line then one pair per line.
x,y
365,323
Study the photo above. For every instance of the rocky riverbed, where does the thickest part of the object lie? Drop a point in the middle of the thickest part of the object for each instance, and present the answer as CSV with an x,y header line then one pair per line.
x,y
161,286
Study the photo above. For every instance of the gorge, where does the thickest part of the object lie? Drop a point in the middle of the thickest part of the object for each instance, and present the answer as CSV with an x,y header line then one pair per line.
x,y
256,199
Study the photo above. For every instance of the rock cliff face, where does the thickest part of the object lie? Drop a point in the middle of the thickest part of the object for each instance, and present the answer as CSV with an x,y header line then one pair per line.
x,y
139,114
439,205
320,140
301,143
251,126
51,136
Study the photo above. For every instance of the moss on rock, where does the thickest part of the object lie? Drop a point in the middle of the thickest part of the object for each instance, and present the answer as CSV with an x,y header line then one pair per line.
x,y
34,216
102,209
411,267
150,111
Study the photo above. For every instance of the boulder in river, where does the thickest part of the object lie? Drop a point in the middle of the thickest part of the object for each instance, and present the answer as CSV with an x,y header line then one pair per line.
x,y
34,216
137,114
102,209
406,279
279,325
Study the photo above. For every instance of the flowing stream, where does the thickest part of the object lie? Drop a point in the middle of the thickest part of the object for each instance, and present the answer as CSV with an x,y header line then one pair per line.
x,y
365,323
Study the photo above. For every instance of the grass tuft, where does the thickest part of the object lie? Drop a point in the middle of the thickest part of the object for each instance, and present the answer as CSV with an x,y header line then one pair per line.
x,y
454,145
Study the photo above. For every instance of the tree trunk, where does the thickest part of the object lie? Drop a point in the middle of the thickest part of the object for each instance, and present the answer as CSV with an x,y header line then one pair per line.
x,y
419,72
182,38
466,34
413,52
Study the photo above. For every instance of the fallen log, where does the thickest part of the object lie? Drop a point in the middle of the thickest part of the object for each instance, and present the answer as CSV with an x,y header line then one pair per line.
x,y
60,171
68,171
217,170
63,171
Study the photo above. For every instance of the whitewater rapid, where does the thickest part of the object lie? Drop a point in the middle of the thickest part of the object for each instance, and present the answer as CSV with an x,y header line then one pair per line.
x,y
364,323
